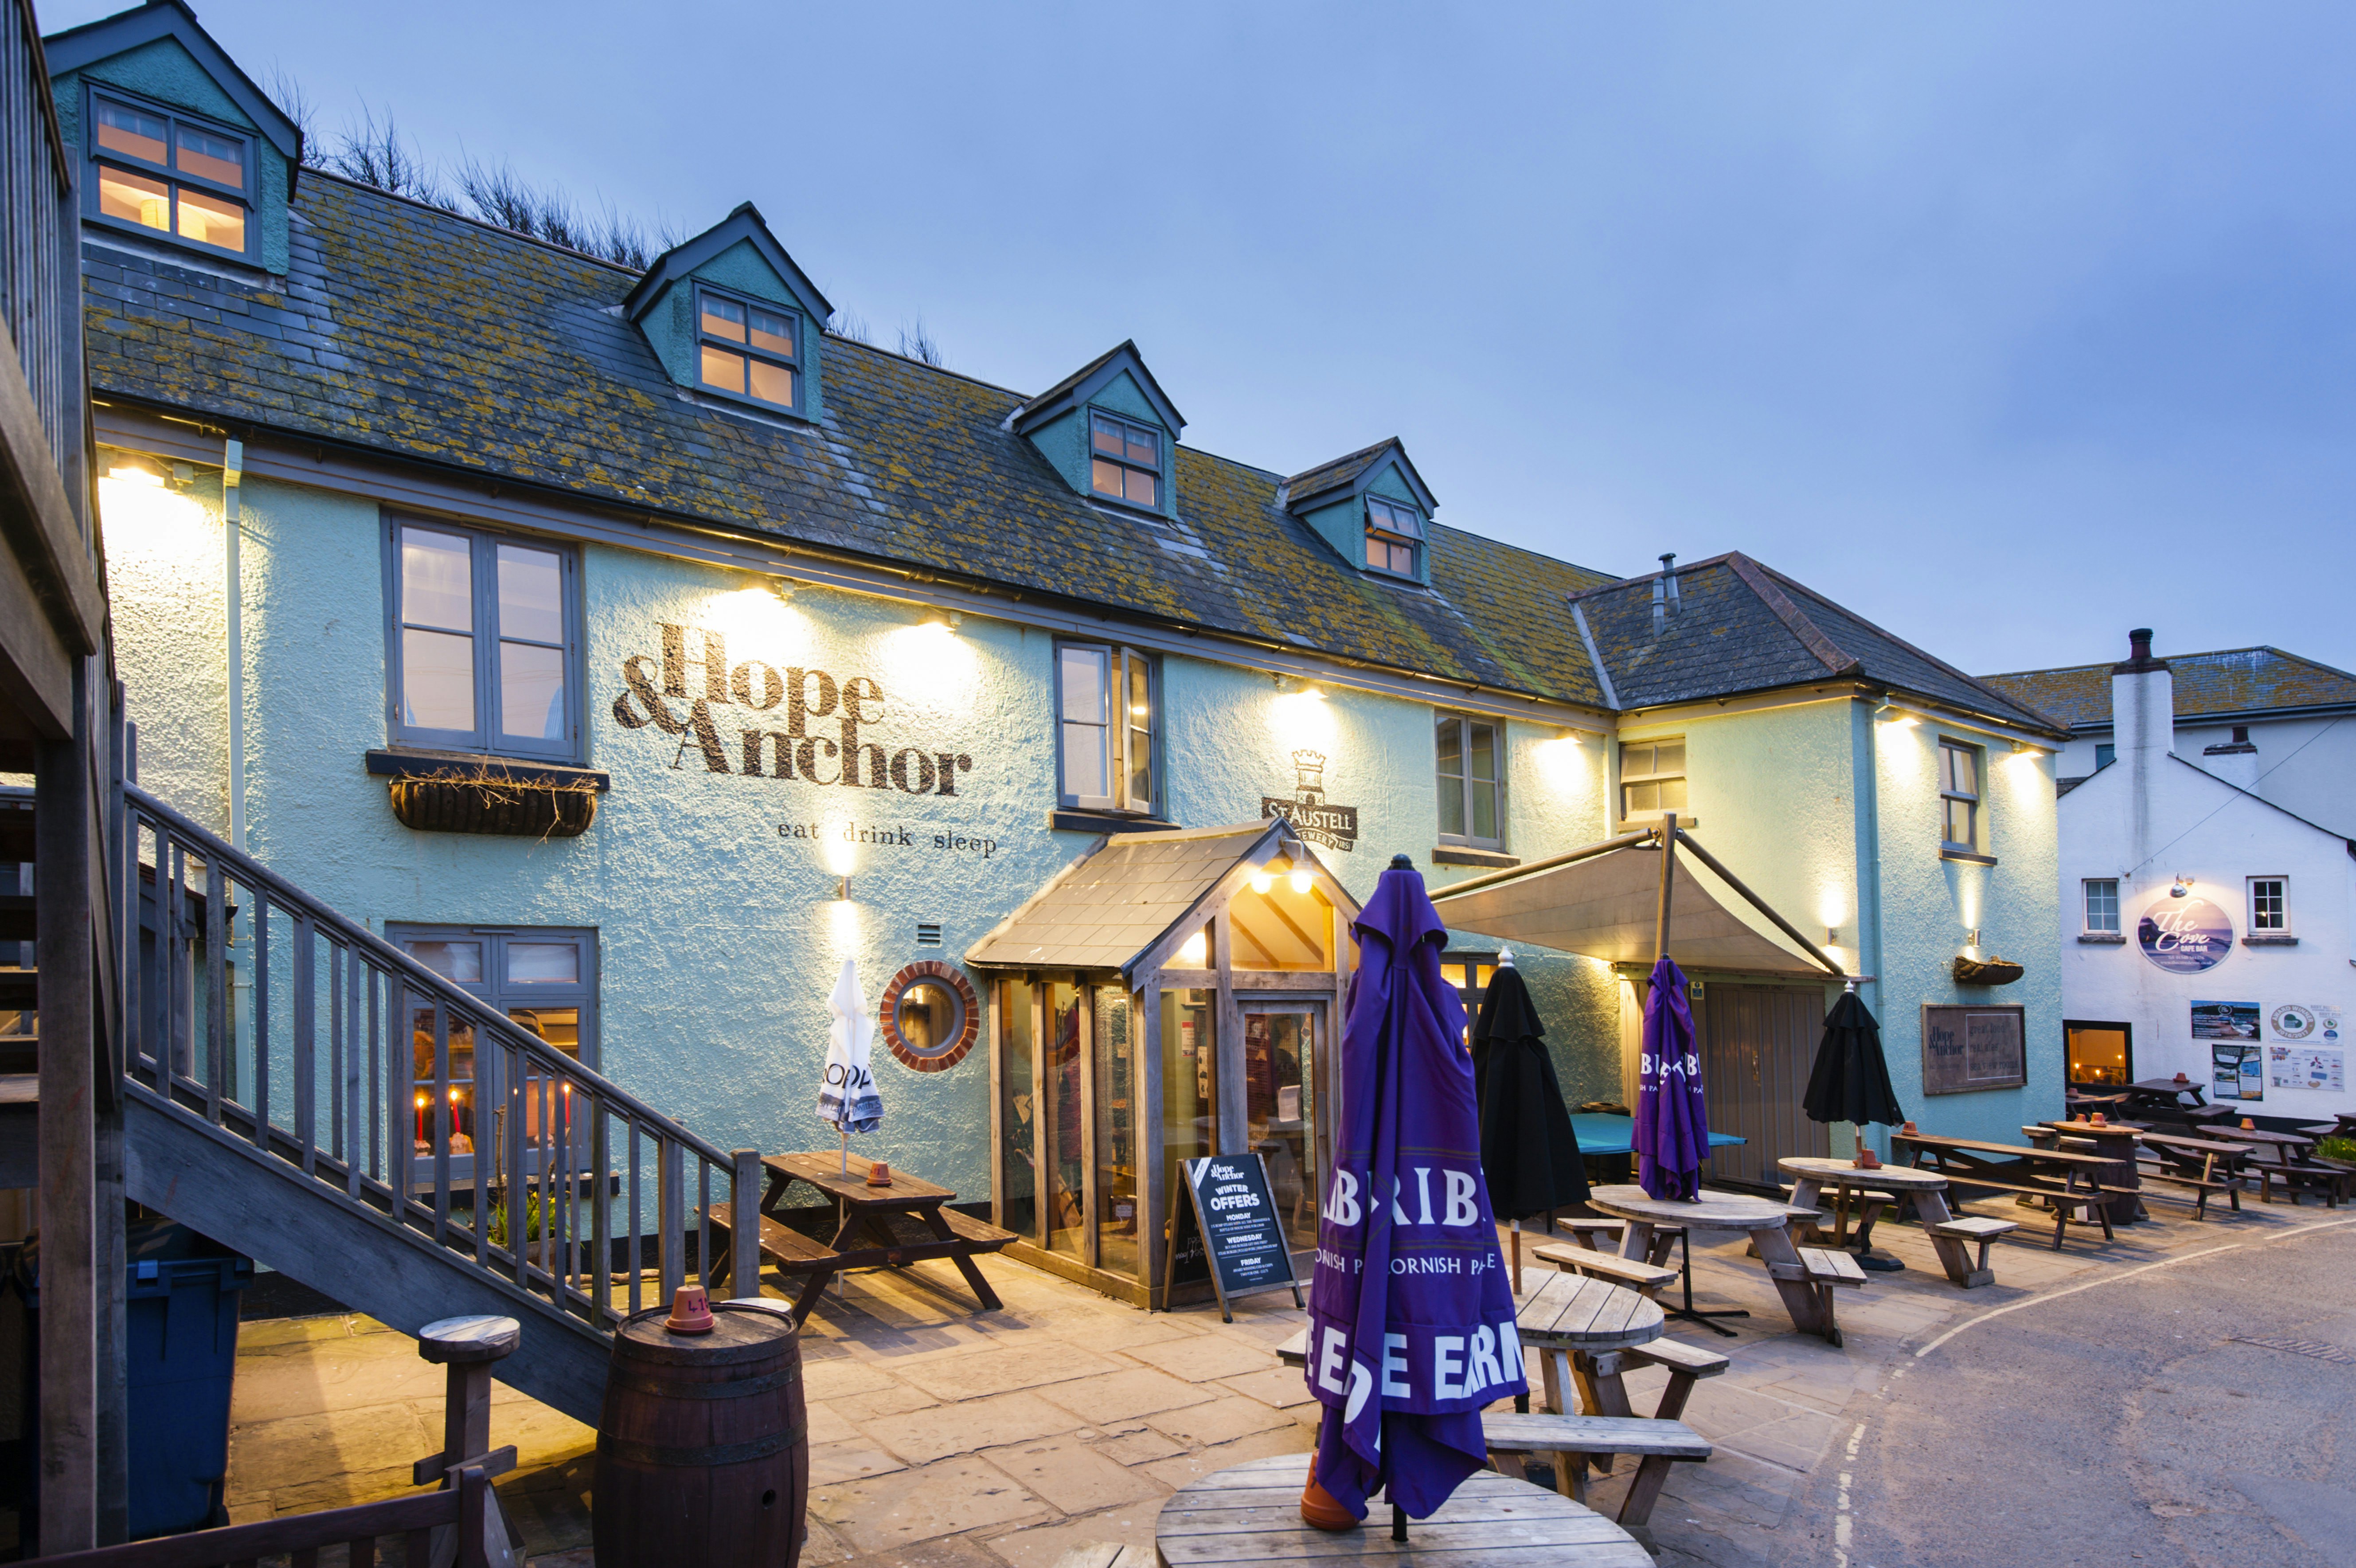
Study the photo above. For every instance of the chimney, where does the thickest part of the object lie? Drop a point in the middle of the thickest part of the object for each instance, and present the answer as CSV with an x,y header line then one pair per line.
x,y
1664,593
2143,728
2236,761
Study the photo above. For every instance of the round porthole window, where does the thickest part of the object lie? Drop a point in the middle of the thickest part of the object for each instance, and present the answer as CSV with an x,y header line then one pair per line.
x,y
930,1016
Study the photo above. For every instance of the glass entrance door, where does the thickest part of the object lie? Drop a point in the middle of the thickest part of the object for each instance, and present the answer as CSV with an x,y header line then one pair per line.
x,y
1285,1115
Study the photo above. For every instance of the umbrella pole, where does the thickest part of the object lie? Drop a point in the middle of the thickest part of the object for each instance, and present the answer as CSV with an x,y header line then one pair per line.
x,y
1668,868
1517,1255
1399,1522
846,1151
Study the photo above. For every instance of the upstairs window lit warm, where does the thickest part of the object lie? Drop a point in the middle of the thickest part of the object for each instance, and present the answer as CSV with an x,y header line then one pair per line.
x,y
1124,460
748,350
158,169
1394,537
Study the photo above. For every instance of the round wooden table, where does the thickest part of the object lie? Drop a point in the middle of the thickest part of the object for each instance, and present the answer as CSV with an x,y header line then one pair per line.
x,y
1569,1319
2115,1142
1810,1175
1252,1514
1769,1223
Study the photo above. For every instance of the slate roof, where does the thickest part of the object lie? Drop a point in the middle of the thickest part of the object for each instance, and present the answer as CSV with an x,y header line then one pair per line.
x,y
2231,681
1110,905
1333,476
1741,626
412,331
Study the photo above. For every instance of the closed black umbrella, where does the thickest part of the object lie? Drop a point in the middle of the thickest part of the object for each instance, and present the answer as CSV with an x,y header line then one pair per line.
x,y
1851,1080
1529,1156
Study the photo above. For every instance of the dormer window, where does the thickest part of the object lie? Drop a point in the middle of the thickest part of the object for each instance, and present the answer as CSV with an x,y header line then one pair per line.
x,y
1394,535
1124,460
156,168
747,351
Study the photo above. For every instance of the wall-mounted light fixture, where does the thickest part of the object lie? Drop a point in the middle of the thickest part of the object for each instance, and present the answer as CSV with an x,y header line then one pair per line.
x,y
2183,887
843,889
785,588
948,620
1895,718
1301,880
1831,933
1971,938
1261,881
126,469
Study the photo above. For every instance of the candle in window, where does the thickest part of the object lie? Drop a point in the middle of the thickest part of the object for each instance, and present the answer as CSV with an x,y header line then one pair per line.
x,y
420,1121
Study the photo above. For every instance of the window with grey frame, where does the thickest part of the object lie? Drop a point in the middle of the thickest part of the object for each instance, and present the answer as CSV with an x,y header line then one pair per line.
x,y
484,635
544,978
2102,904
158,168
1959,797
1394,538
747,349
1124,459
1472,767
1106,707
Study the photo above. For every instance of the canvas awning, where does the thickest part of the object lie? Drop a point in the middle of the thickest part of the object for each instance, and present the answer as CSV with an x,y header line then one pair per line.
x,y
1603,903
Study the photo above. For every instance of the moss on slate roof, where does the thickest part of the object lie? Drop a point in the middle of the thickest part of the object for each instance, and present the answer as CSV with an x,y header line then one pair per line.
x,y
412,331
2231,680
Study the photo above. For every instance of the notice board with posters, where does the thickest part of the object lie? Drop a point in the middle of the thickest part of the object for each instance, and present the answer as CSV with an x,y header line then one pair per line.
x,y
1228,1227
1967,1048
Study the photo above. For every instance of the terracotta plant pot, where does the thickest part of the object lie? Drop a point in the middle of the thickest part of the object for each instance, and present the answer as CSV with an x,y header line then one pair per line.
x,y
1318,1507
879,1175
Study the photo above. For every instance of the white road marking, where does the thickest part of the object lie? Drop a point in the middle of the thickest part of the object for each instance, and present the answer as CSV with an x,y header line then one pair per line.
x,y
2128,1274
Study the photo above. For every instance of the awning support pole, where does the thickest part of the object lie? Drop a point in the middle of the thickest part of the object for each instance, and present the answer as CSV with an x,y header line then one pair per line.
x,y
1756,902
1669,837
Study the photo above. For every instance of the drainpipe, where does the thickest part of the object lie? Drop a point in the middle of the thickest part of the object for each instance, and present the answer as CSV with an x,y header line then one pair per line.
x,y
232,474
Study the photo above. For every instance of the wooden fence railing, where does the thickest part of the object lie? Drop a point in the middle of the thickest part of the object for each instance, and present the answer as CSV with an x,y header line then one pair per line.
x,y
414,1521
255,1007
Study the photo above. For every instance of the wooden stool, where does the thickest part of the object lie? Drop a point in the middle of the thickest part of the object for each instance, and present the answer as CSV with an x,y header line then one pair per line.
x,y
468,1345
1973,1227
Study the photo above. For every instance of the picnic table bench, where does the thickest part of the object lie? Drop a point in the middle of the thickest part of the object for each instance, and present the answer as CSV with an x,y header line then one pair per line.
x,y
2208,1166
2285,1157
867,1213
2172,1100
2066,1182
2115,1142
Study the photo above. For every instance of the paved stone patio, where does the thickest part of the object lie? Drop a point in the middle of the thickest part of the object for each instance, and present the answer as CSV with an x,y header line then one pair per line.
x,y
946,1438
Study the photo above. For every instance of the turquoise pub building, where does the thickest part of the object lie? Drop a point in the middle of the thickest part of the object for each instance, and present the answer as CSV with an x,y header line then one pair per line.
x,y
634,649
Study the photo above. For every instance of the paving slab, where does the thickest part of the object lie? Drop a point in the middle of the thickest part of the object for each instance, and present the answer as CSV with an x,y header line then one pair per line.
x,y
938,1431
1074,1476
895,1512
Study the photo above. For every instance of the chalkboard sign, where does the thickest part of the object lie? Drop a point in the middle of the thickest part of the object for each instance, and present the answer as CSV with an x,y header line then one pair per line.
x,y
1229,1222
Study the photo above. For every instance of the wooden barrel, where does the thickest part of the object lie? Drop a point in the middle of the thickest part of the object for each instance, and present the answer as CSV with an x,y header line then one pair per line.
x,y
703,1445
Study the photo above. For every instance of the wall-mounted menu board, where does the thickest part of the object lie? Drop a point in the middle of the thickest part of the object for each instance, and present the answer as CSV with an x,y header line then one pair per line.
x,y
1966,1049
1229,1222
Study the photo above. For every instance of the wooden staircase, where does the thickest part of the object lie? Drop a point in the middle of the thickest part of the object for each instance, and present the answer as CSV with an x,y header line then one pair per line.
x,y
284,1075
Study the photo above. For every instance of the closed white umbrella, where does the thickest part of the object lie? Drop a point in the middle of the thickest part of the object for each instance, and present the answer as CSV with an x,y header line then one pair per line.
x,y
848,1099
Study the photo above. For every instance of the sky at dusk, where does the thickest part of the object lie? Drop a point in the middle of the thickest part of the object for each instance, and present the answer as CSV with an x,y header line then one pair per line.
x,y
2009,325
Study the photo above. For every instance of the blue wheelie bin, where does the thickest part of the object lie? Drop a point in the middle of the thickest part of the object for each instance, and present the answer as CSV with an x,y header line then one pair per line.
x,y
180,1344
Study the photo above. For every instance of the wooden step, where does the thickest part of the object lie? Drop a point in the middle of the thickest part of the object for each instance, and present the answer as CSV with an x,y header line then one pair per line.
x,y
1972,1228
1828,1266
1294,1352
1695,1360
1638,1435
1634,1272
985,1237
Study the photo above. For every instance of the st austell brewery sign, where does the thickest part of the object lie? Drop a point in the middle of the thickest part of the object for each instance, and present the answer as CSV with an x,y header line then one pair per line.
x,y
1335,827
753,720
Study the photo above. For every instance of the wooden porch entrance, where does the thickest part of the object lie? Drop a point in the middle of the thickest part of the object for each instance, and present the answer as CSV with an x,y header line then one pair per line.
x,y
1758,1043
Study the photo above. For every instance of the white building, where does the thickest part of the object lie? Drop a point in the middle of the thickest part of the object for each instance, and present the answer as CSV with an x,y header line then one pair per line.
x,y
2206,928
2278,725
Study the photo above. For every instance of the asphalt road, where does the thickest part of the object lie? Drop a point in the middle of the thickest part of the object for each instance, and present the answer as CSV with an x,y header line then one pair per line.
x,y
2125,1422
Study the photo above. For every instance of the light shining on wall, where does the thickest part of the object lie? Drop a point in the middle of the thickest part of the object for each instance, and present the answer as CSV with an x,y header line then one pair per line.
x,y
1303,718
144,517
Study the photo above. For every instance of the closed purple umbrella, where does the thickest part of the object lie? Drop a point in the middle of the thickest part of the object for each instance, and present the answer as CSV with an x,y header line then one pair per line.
x,y
1672,1135
1410,1315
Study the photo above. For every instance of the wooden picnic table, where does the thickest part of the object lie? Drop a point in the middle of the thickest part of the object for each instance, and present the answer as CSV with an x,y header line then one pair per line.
x,y
2341,1126
1804,1277
1252,1514
1810,1175
1568,1319
2200,1159
2057,1178
2115,1142
2287,1156
866,1213
2172,1100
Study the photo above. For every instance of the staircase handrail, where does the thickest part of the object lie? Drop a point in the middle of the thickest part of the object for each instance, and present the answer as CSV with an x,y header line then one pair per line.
x,y
416,977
